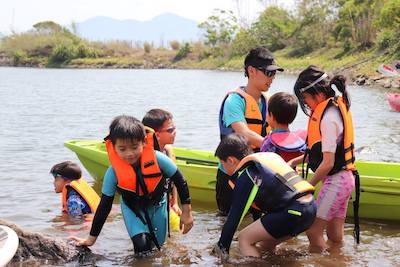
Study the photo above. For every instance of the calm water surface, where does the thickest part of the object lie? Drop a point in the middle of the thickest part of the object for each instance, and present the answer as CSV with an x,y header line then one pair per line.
x,y
40,109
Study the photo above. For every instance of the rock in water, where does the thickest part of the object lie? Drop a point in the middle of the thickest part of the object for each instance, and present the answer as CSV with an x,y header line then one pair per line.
x,y
37,247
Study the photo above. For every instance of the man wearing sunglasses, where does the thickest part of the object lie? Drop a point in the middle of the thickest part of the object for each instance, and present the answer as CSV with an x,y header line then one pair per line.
x,y
244,110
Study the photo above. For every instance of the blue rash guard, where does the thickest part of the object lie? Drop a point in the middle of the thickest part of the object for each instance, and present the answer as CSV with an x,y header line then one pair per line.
x,y
158,213
234,110
76,205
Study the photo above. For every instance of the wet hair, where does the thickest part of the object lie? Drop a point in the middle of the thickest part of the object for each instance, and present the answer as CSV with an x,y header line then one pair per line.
x,y
309,76
155,118
283,106
257,57
233,145
126,127
67,169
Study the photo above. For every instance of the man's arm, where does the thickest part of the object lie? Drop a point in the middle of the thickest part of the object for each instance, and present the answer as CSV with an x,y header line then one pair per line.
x,y
241,128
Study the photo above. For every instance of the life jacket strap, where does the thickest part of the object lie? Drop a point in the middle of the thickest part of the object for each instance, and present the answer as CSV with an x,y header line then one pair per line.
x,y
153,175
356,205
254,121
305,175
146,214
169,191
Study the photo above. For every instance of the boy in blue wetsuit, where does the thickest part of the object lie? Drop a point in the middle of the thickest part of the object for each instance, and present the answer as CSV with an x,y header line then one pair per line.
x,y
282,110
78,197
140,174
243,111
264,181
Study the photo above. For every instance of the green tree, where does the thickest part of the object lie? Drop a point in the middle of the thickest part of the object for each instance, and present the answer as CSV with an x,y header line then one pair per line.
x,y
47,27
219,28
356,22
183,52
244,40
273,28
389,22
315,21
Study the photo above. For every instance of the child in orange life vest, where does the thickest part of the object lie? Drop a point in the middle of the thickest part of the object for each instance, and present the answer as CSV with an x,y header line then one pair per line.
x,y
330,152
282,110
161,121
78,197
139,173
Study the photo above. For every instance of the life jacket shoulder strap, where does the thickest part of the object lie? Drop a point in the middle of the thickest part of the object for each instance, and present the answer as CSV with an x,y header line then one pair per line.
x,y
281,169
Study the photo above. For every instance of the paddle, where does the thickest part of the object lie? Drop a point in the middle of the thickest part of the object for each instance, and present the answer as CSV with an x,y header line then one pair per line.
x,y
197,161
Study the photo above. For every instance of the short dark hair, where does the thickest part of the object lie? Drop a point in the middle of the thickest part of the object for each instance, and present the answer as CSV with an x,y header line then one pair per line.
x,y
283,106
155,118
260,57
233,145
67,169
126,127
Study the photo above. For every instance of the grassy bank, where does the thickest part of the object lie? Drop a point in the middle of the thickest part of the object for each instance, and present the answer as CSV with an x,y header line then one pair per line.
x,y
50,45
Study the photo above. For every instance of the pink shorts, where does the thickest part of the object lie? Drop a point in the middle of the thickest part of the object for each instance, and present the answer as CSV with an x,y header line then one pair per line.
x,y
334,195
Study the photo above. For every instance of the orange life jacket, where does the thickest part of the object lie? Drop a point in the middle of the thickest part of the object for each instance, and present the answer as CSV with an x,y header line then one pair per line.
x,y
344,156
274,175
126,174
256,121
84,190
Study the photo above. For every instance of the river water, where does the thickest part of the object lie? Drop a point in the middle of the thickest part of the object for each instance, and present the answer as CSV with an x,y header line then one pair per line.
x,y
42,108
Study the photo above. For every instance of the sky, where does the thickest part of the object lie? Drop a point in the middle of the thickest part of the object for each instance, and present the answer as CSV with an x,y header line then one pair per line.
x,y
20,15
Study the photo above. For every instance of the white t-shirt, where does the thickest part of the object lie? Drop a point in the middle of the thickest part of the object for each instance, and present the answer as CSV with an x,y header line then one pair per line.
x,y
331,129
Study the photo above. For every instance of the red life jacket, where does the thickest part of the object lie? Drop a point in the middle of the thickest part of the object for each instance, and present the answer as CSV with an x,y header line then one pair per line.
x,y
288,145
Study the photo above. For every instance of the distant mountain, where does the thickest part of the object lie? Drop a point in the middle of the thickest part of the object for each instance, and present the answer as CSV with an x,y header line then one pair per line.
x,y
163,28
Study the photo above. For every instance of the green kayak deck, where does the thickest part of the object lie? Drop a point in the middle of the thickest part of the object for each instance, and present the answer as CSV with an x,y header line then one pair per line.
x,y
380,181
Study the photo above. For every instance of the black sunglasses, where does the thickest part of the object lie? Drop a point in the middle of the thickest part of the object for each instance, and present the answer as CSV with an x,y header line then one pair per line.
x,y
169,130
269,73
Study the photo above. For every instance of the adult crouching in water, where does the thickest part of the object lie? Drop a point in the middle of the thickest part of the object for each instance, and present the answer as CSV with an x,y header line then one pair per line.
x,y
330,153
244,111
266,182
140,175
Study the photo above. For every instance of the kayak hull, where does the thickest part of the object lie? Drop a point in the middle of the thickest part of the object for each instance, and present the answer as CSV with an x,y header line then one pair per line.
x,y
380,181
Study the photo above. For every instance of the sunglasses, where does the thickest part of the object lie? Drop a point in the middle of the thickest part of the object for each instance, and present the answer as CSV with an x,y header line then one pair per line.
x,y
55,175
268,73
169,130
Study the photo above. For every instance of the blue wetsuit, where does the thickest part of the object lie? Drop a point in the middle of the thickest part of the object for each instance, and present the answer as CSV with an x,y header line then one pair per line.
x,y
157,212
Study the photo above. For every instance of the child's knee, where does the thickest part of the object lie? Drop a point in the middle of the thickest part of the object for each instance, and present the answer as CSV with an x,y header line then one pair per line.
x,y
242,238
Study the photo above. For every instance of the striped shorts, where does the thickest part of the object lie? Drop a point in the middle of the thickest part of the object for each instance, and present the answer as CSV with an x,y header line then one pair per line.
x,y
334,195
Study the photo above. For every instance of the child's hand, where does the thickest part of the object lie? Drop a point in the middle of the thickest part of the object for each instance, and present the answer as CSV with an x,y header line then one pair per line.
x,y
292,164
186,222
83,242
177,209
